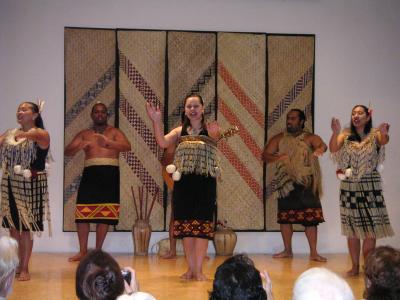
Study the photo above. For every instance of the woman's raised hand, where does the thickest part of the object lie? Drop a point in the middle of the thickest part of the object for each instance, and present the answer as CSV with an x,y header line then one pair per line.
x,y
154,112
384,128
335,125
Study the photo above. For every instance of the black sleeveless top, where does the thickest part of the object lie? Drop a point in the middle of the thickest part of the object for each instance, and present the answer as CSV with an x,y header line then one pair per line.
x,y
39,163
202,132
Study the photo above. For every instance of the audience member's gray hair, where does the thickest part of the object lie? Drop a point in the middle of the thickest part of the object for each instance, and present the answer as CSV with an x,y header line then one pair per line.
x,y
321,284
8,263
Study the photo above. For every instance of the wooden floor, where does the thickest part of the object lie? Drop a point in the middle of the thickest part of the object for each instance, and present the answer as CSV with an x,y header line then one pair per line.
x,y
54,278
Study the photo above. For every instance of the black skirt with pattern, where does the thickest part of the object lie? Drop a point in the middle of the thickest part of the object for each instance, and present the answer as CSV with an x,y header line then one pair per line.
x,y
194,198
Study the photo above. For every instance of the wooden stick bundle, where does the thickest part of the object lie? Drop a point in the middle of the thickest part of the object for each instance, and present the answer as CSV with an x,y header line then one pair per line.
x,y
144,211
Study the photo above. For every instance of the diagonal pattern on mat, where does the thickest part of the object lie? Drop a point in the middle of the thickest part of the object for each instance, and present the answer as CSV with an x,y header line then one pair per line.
x,y
140,171
241,168
90,95
174,117
137,123
137,79
241,102
248,141
240,94
290,97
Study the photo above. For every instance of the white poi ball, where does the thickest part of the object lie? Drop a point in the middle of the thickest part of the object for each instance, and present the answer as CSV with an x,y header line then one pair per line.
x,y
217,171
176,176
348,172
18,169
170,169
379,168
27,173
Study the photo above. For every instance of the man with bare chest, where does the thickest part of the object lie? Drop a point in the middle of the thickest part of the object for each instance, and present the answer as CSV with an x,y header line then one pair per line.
x,y
297,181
98,193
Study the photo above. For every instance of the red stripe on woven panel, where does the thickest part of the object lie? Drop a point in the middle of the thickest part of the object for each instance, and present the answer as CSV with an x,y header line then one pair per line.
x,y
144,176
241,168
137,79
243,133
240,94
291,96
137,123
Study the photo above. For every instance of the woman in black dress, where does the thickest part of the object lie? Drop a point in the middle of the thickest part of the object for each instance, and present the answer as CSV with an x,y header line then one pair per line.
x,y
194,193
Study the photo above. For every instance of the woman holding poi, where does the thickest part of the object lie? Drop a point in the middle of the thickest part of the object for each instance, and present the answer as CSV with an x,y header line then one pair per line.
x,y
359,153
194,171
25,202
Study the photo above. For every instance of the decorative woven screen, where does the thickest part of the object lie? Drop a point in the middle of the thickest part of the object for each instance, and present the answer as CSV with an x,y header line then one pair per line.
x,y
246,79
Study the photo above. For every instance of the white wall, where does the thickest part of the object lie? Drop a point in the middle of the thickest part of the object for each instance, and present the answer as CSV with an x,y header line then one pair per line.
x,y
357,61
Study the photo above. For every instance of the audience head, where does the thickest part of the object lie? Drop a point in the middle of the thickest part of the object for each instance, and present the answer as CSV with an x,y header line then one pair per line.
x,y
382,274
237,278
8,264
320,283
98,277
137,296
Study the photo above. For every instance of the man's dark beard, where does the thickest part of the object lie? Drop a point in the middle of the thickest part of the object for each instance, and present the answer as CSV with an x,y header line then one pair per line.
x,y
293,129
99,127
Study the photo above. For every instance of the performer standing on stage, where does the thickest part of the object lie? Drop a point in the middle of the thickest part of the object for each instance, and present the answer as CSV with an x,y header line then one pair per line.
x,y
298,179
358,151
24,199
98,193
194,193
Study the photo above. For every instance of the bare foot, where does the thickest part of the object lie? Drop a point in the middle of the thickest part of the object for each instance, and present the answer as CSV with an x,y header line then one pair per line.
x,y
354,271
200,277
187,275
76,257
283,254
318,258
17,272
169,255
24,276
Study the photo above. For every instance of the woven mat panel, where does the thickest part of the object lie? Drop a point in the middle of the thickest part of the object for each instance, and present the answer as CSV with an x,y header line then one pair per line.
x,y
290,82
89,77
241,102
141,79
191,69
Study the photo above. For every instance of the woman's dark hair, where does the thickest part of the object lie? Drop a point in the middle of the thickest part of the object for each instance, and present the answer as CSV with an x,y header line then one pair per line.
x,y
354,136
237,279
186,121
35,109
98,277
382,274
